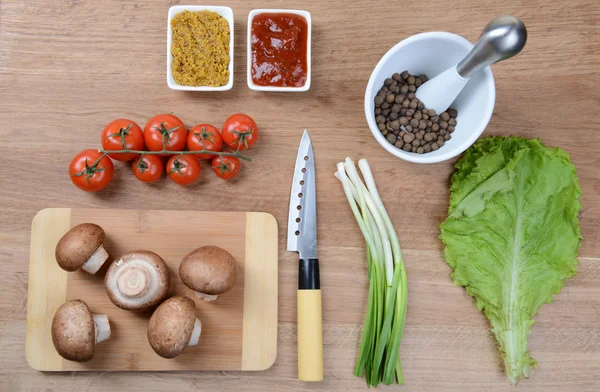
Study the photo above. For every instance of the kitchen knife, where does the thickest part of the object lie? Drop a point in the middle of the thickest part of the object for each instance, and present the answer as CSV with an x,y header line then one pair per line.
x,y
302,238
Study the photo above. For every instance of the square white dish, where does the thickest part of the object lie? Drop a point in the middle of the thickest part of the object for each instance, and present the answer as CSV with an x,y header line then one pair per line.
x,y
226,13
256,87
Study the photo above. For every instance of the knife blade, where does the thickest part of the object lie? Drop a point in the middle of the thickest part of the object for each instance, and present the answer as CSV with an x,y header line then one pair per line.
x,y
302,238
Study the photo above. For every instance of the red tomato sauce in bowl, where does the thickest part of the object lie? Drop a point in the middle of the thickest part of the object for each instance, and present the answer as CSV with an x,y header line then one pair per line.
x,y
279,50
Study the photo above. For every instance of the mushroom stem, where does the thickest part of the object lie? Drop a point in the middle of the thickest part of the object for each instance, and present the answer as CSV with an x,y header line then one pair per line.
x,y
133,281
93,264
102,327
206,297
196,333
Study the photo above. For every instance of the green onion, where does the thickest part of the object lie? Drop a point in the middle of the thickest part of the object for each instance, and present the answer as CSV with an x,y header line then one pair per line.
x,y
379,352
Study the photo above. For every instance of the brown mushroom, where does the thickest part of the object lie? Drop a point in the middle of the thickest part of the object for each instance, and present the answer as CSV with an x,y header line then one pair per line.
x,y
209,270
138,280
174,326
81,247
76,331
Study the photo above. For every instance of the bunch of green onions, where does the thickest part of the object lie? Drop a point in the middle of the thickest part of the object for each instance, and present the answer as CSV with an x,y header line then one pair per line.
x,y
379,354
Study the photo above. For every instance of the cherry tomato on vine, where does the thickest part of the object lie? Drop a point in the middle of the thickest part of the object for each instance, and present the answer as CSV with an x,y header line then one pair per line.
x,y
183,169
204,137
122,129
167,128
226,167
148,168
91,171
240,132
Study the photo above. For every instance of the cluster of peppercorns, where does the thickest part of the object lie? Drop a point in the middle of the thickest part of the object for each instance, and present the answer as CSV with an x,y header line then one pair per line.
x,y
405,121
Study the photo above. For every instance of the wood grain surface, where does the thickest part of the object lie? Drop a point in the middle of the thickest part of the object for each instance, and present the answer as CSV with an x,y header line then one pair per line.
x,y
238,330
68,67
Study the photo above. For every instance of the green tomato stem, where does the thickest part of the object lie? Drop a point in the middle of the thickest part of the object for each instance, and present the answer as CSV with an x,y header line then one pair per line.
x,y
169,152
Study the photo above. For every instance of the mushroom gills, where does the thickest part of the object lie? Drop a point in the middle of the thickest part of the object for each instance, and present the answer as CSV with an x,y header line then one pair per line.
x,y
196,333
206,297
93,264
101,327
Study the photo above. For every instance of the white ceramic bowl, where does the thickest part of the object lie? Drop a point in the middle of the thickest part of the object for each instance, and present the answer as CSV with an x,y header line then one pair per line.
x,y
226,13
431,54
256,87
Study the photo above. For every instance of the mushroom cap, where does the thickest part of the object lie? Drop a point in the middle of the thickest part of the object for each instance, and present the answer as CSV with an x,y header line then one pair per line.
x,y
78,245
208,270
156,273
171,325
73,331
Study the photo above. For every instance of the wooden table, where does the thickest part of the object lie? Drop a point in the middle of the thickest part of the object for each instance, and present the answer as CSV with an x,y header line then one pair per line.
x,y
69,67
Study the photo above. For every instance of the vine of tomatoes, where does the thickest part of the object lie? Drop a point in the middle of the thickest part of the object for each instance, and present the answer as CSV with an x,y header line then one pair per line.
x,y
165,136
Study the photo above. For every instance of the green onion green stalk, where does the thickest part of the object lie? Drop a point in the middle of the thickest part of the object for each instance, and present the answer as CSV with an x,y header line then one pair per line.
x,y
379,353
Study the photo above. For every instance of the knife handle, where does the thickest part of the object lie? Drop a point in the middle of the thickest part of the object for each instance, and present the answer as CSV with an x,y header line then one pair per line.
x,y
310,323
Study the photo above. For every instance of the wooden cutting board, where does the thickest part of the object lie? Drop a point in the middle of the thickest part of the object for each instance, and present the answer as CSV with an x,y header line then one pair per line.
x,y
239,330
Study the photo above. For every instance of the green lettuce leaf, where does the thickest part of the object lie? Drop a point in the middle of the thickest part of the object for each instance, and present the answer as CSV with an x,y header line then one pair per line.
x,y
512,235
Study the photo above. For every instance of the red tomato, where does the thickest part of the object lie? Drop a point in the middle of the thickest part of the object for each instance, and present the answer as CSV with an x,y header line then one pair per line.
x,y
240,132
116,131
183,169
204,137
226,167
167,129
91,171
148,168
